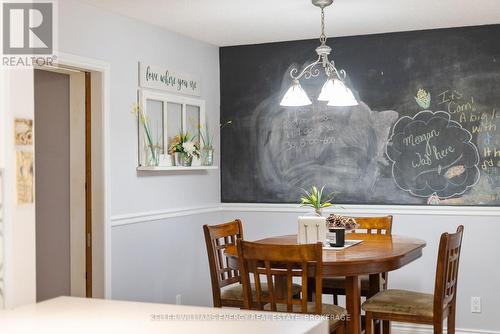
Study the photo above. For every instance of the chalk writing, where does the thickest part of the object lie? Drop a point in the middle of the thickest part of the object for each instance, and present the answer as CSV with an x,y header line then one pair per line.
x,y
310,126
294,145
432,155
484,126
419,138
455,101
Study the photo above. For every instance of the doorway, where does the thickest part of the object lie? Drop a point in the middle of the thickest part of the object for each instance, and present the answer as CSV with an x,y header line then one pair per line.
x,y
65,180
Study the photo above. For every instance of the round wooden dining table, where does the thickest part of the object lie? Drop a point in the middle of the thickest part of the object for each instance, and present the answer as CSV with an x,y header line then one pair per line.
x,y
376,254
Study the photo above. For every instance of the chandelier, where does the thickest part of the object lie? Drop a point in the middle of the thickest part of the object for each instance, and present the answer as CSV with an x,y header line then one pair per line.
x,y
334,89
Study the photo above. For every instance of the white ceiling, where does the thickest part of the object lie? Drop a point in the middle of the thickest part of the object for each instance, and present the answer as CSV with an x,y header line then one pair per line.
x,y
234,22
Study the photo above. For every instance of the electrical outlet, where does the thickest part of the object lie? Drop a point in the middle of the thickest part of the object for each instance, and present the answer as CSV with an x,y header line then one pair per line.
x,y
178,299
475,304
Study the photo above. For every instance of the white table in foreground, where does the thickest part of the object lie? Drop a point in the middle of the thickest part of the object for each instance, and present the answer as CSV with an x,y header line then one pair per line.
x,y
80,315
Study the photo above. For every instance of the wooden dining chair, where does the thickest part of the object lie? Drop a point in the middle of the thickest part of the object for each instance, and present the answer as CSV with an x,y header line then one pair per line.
x,y
280,265
366,225
226,288
422,308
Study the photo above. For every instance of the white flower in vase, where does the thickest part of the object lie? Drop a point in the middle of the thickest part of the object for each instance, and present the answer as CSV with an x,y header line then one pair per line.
x,y
189,147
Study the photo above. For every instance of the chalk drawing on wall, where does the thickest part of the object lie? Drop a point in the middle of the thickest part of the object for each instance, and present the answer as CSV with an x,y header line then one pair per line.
x,y
432,156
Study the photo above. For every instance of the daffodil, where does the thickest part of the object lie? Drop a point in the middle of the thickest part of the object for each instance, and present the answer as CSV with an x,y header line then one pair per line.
x,y
143,119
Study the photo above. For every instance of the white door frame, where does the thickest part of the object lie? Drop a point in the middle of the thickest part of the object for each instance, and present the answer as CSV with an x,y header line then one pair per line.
x,y
84,63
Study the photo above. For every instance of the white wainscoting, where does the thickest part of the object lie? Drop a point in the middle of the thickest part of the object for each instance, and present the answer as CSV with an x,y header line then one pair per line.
x,y
144,244
477,275
158,255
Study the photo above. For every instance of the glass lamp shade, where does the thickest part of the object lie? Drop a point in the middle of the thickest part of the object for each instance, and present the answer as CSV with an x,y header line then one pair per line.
x,y
295,96
337,94
328,91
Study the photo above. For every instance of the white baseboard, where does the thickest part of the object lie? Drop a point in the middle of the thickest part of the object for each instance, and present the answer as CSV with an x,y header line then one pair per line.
x,y
401,328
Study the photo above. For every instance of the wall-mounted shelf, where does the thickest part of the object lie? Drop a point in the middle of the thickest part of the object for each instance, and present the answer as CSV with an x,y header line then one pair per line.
x,y
174,168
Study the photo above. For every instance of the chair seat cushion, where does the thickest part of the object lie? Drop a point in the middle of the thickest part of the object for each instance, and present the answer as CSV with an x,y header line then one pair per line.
x,y
235,291
401,302
335,313
338,283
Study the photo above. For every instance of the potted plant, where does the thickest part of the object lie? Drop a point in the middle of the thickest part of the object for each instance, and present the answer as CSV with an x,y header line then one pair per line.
x,y
185,148
316,200
337,226
207,139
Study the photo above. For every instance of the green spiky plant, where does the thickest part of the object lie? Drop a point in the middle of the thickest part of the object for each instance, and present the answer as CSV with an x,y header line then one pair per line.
x,y
148,135
316,200
207,139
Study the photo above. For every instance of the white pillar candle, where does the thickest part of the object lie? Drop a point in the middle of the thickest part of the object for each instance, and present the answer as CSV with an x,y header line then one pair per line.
x,y
311,230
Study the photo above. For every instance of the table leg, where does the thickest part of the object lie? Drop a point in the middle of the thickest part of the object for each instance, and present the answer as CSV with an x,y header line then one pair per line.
x,y
386,325
353,304
280,288
375,287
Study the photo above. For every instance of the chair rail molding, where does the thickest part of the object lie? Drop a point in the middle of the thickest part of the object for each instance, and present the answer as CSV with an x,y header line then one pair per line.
x,y
353,209
154,215
149,216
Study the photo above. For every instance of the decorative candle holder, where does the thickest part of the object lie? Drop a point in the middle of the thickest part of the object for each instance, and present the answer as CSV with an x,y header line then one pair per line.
x,y
336,237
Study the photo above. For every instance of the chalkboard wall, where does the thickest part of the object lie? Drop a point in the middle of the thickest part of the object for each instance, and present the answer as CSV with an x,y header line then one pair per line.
x,y
427,130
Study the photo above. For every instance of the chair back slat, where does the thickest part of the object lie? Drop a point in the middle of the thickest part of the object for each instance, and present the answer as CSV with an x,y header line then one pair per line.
x,y
445,291
374,225
304,279
318,274
217,239
289,283
280,263
270,285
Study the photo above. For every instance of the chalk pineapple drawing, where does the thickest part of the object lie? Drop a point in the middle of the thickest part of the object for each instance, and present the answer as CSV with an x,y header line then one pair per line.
x,y
423,98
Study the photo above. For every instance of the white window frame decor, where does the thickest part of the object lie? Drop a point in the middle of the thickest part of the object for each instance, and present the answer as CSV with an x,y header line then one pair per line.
x,y
165,98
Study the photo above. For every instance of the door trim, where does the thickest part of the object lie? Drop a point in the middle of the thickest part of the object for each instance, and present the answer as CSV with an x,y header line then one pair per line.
x,y
89,64
88,187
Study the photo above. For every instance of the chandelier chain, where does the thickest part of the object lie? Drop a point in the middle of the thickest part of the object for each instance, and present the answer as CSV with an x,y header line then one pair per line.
x,y
322,37
323,51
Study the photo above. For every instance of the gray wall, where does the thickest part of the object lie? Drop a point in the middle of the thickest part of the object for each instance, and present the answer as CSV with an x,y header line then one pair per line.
x,y
155,260
140,271
123,42
52,184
